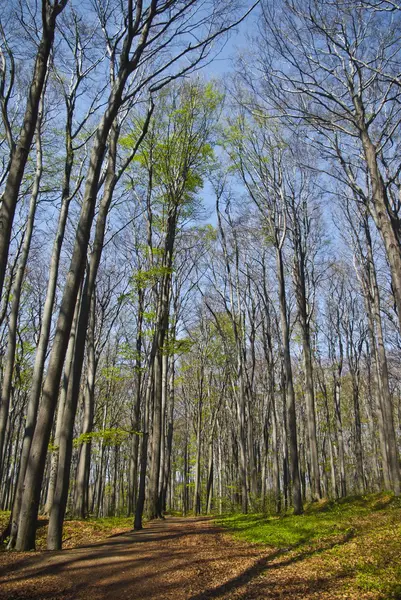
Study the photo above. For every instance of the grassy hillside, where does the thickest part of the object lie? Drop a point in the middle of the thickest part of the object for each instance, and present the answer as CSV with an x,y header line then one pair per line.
x,y
355,542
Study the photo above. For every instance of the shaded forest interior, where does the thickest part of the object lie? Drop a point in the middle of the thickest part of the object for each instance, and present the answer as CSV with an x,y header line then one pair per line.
x,y
200,272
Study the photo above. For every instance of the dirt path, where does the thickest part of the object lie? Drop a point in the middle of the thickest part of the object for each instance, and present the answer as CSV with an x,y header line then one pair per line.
x,y
180,559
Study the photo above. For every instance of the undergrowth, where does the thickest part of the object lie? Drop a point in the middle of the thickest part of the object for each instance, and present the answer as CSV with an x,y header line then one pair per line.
x,y
356,539
78,532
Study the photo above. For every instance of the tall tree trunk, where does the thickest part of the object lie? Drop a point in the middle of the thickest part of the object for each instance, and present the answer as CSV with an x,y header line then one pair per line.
x,y
163,452
169,440
154,508
284,440
220,472
253,474
301,296
55,530
387,224
311,413
327,417
239,385
210,472
54,539
276,460
185,496
340,436
292,423
158,344
383,375
337,375
81,505
360,470
197,499
8,368
144,455
240,397
133,492
36,464
40,357
60,411
21,150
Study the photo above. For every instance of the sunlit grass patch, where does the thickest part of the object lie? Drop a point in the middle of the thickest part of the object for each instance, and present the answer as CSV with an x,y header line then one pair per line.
x,y
4,518
357,539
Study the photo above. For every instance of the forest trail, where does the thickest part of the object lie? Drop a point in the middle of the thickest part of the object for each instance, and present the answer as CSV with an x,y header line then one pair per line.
x,y
180,559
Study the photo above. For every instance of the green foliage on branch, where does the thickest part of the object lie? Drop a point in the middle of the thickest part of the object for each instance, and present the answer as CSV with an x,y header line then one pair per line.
x,y
114,436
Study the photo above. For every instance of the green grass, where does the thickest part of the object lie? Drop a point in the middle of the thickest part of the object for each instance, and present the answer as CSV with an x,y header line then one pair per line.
x,y
357,538
320,521
4,516
174,513
110,523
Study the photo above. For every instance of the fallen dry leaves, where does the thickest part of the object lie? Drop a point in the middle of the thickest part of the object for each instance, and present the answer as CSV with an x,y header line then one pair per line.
x,y
191,559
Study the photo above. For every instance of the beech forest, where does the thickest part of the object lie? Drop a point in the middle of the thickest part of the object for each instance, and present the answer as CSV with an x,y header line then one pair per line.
x,y
200,260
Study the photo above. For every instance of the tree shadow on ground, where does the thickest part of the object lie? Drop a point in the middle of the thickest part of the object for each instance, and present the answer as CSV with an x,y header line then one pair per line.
x,y
90,570
263,565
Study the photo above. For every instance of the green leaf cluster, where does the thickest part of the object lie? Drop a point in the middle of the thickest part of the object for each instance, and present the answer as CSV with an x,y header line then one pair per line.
x,y
109,437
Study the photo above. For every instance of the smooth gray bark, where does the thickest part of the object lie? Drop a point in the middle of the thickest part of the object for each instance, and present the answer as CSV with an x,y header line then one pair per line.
x,y
21,150
8,366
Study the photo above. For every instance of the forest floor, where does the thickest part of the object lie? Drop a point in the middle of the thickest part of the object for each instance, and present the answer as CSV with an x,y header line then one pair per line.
x,y
350,549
